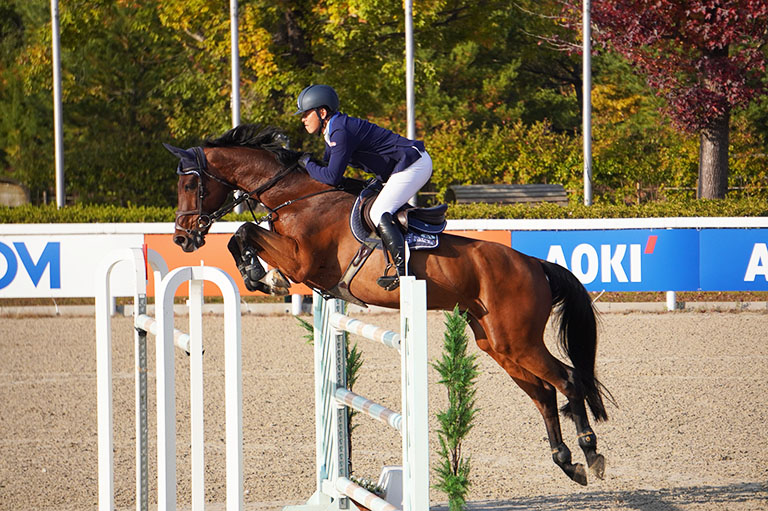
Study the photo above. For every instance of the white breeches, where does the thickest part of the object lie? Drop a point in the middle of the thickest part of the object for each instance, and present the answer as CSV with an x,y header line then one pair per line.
x,y
401,186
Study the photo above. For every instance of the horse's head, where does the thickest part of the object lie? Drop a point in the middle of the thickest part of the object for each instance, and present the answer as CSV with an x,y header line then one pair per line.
x,y
200,194
250,158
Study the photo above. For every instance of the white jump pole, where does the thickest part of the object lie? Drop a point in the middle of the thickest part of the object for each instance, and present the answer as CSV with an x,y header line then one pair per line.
x,y
413,328
166,406
103,306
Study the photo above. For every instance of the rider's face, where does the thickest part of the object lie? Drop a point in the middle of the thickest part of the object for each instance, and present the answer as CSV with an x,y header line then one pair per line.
x,y
312,123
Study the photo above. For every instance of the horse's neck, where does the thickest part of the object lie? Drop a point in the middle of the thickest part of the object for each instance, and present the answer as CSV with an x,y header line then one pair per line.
x,y
252,170
309,198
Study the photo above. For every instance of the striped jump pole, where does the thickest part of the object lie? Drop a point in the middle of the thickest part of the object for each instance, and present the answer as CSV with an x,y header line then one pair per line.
x,y
149,324
334,488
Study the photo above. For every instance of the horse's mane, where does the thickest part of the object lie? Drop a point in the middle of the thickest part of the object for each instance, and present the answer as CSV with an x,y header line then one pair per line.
x,y
268,138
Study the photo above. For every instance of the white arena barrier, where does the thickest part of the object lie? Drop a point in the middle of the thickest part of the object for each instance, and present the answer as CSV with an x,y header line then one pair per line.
x,y
334,488
166,338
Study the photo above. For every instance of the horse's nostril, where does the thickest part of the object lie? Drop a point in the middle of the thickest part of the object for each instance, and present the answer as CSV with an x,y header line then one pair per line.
x,y
179,240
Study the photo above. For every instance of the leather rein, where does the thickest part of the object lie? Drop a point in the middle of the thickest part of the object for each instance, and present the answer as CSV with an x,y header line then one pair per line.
x,y
204,221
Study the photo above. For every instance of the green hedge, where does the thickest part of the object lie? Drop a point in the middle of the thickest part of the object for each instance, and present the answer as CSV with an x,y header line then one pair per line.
x,y
29,214
749,206
746,207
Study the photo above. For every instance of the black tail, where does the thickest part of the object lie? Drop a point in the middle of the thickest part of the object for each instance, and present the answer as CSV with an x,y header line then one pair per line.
x,y
577,333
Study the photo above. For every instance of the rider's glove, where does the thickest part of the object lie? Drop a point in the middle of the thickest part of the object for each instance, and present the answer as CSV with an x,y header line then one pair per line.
x,y
303,160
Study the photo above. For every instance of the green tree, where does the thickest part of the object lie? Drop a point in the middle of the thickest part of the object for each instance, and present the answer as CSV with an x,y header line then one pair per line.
x,y
26,112
490,77
706,58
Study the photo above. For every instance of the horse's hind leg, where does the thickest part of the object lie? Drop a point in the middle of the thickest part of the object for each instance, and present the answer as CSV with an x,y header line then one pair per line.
x,y
587,438
575,409
545,398
540,363
552,370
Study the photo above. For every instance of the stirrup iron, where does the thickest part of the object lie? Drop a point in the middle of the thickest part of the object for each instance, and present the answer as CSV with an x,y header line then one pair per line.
x,y
389,282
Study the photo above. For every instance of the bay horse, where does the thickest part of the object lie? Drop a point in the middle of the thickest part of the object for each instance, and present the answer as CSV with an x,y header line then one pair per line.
x,y
508,296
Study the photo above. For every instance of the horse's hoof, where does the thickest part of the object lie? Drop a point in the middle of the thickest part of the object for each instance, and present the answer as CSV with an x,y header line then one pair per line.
x,y
275,279
279,291
598,466
579,474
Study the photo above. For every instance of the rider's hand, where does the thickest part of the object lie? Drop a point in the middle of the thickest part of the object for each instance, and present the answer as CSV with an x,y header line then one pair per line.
x,y
303,160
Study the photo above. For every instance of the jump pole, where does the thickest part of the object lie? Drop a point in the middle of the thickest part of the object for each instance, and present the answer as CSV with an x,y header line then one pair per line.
x,y
103,305
166,338
331,399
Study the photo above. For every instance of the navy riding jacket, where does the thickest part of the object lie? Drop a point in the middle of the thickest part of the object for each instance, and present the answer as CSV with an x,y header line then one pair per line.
x,y
361,144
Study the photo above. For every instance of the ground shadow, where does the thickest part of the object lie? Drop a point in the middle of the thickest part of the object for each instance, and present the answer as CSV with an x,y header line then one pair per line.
x,y
667,499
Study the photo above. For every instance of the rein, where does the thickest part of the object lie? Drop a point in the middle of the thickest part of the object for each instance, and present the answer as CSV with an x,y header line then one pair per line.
x,y
204,221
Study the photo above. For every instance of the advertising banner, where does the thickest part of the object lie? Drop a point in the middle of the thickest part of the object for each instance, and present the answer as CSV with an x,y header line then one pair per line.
x,y
656,259
54,266
51,261
734,259
631,260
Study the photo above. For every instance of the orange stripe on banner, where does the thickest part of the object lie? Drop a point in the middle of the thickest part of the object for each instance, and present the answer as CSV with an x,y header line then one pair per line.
x,y
213,253
503,237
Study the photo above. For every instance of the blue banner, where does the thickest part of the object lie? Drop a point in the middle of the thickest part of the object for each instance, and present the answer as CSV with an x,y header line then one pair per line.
x,y
734,259
656,259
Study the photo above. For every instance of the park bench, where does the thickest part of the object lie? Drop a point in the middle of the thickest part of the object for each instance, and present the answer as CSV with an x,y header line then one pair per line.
x,y
507,194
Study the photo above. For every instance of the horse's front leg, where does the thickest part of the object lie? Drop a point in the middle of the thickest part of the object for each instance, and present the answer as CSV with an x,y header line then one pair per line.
x,y
248,264
251,242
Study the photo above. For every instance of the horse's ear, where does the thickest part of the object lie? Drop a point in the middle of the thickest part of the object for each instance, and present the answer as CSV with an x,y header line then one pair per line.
x,y
178,152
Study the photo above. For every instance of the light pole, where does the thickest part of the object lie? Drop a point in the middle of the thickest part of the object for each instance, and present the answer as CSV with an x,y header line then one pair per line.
x,y
57,122
409,97
586,100
235,55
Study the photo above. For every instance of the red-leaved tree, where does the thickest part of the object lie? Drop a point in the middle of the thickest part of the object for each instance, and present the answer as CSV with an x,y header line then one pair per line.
x,y
705,57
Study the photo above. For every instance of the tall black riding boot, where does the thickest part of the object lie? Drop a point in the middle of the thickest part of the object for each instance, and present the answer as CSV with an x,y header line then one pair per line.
x,y
394,243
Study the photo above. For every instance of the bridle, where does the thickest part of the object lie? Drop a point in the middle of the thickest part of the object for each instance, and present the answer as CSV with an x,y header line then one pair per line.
x,y
199,168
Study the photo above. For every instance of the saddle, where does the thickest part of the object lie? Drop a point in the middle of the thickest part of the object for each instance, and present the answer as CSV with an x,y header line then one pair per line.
x,y
420,225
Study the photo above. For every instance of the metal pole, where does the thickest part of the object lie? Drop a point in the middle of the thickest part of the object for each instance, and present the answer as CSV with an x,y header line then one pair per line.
x,y
235,53
57,123
142,425
235,50
409,98
587,101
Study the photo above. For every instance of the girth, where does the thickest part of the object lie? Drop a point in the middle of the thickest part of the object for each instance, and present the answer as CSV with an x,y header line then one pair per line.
x,y
428,222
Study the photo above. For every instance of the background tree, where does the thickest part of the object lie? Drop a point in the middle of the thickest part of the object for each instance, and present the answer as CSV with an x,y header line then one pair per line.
x,y
26,113
495,100
704,57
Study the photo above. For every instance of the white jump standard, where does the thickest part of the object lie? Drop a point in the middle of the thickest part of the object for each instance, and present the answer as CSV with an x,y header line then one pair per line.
x,y
334,488
166,338
103,300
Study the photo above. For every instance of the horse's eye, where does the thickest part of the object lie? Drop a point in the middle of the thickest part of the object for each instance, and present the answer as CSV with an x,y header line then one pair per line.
x,y
190,187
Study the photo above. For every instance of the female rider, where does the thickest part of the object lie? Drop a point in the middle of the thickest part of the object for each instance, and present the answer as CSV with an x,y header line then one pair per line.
x,y
403,165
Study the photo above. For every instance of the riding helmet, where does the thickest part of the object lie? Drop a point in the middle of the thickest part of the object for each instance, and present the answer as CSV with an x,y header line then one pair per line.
x,y
316,96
